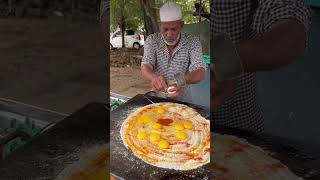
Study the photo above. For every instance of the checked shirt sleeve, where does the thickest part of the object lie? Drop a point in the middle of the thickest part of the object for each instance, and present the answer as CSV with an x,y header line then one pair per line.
x,y
271,12
149,55
196,57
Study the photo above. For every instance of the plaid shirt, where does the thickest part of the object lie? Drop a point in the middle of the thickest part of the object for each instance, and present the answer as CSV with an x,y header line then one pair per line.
x,y
241,20
187,57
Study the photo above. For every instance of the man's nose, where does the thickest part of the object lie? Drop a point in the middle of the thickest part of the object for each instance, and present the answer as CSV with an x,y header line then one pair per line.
x,y
170,34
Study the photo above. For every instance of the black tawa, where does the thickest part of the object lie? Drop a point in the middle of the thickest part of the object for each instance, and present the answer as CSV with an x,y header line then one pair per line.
x,y
124,165
47,154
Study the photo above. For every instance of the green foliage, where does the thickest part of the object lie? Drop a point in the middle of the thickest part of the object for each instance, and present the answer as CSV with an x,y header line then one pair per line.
x,y
187,7
130,9
115,103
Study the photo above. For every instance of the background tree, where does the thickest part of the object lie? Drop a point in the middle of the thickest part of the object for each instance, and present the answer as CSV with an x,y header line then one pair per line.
x,y
144,14
150,16
125,14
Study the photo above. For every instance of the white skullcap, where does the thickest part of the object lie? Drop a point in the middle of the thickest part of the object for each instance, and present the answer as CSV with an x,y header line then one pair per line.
x,y
170,11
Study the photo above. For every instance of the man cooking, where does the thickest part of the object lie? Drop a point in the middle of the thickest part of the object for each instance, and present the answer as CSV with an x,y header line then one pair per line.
x,y
172,59
247,37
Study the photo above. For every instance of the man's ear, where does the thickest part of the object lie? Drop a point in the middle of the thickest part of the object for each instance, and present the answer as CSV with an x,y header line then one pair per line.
x,y
160,26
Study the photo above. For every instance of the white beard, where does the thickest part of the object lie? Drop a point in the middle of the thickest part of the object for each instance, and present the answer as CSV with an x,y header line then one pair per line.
x,y
171,43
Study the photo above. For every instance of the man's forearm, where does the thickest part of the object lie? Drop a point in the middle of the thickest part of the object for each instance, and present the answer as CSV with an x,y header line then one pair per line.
x,y
195,76
278,47
147,72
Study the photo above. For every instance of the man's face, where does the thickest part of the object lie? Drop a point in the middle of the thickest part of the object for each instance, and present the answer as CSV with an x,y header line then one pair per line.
x,y
171,30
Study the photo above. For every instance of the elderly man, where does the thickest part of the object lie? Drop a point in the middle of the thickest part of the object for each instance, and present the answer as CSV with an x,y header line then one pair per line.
x,y
172,57
247,37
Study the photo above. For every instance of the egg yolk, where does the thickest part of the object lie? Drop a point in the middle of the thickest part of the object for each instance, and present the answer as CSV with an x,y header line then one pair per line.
x,y
144,119
141,135
156,126
187,125
181,135
163,144
154,137
160,110
179,127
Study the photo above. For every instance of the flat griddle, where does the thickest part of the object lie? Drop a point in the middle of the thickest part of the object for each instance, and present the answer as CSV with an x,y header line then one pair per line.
x,y
47,154
302,159
124,165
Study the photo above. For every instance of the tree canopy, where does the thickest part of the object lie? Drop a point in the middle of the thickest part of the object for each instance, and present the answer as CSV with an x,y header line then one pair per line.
x,y
133,13
130,9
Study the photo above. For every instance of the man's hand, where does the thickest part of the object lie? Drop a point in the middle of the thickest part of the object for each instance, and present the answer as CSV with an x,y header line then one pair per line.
x,y
221,92
158,83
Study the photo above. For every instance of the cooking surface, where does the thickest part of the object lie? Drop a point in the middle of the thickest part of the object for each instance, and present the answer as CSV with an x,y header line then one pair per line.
x,y
127,166
302,159
46,155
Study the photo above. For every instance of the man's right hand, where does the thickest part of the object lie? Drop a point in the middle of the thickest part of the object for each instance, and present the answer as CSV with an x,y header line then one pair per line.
x,y
158,83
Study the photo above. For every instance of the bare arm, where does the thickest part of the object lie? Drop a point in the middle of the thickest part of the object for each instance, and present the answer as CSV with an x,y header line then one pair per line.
x,y
157,82
195,76
147,72
278,47
197,66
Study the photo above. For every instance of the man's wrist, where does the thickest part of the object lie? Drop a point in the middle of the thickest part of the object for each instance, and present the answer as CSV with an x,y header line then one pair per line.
x,y
180,79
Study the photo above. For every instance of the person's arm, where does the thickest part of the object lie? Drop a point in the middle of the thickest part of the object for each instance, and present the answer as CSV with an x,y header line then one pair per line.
x,y
284,26
147,72
278,47
197,66
148,60
195,76
157,82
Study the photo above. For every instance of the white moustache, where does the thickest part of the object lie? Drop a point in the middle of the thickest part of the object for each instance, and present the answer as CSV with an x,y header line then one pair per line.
x,y
171,42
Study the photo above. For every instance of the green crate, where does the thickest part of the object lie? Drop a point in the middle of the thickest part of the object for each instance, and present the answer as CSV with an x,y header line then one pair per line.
x,y
207,59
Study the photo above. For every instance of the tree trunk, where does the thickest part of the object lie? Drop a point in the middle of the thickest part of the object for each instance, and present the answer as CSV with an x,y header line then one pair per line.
x,y
122,24
151,23
123,29
147,23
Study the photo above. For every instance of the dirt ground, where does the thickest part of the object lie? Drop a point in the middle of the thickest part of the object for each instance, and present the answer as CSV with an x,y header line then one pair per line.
x,y
52,63
127,81
125,75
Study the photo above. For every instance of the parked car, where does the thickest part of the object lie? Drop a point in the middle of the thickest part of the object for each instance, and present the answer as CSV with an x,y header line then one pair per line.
x,y
133,39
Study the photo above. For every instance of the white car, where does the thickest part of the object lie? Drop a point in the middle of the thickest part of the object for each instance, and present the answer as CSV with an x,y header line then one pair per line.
x,y
133,39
